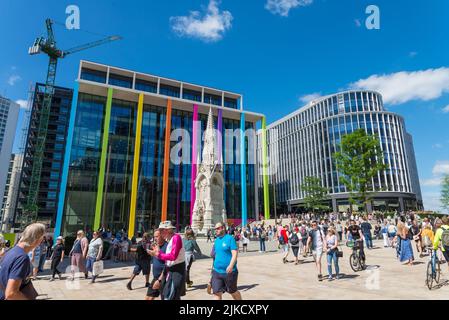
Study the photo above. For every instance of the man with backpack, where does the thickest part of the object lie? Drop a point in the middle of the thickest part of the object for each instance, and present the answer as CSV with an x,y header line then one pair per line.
x,y
283,242
295,243
442,236
317,240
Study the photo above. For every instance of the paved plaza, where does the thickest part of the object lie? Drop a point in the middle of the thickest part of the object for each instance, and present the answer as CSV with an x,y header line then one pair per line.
x,y
264,276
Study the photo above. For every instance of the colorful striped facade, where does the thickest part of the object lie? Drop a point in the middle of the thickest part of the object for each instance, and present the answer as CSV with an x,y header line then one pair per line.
x,y
119,172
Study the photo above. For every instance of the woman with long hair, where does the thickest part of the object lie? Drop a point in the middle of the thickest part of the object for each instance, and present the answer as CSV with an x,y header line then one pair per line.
x,y
406,252
190,246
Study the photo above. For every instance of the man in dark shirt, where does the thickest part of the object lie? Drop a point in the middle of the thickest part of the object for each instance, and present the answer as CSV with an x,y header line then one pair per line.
x,y
366,230
355,233
15,267
143,261
158,267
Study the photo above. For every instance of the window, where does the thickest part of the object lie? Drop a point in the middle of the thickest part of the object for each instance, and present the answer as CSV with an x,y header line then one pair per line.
x,y
212,99
120,81
170,91
230,103
191,95
93,75
147,86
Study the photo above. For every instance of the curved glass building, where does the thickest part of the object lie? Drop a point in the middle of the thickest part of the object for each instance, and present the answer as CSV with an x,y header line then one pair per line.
x,y
303,143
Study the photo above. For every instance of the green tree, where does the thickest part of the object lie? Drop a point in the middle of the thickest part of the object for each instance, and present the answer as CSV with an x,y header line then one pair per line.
x,y
358,162
445,192
315,194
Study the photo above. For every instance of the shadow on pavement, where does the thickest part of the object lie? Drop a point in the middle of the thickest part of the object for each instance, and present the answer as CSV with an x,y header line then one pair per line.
x,y
111,280
248,287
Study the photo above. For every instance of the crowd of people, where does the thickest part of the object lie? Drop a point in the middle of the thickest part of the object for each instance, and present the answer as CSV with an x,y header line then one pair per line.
x,y
169,256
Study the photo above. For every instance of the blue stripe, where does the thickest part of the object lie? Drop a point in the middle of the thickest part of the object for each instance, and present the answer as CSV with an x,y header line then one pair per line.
x,y
243,169
65,168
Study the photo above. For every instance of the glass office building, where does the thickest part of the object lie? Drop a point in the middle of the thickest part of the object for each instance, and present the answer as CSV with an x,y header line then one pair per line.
x,y
303,143
119,173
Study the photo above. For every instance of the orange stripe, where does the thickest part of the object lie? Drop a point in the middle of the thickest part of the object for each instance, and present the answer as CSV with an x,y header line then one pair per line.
x,y
166,162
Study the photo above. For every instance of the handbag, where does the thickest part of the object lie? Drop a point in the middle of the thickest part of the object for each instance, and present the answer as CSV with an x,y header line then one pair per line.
x,y
98,268
29,291
339,253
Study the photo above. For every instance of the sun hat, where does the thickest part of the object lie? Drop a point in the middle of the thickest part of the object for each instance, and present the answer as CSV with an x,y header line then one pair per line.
x,y
166,225
59,238
219,225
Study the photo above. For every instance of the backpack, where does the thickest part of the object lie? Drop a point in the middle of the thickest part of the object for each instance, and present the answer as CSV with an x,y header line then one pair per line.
x,y
281,239
445,239
294,240
303,232
426,241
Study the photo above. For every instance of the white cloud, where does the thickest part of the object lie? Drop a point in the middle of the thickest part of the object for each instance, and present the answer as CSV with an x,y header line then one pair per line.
x,y
283,7
310,97
446,109
413,54
432,201
402,87
437,146
22,103
208,27
13,79
441,168
433,182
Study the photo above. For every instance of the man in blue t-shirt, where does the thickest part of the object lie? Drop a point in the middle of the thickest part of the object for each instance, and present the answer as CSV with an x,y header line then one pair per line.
x,y
15,267
224,272
153,291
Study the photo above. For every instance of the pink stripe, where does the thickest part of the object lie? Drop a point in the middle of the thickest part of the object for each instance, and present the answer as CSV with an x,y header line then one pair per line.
x,y
194,160
219,135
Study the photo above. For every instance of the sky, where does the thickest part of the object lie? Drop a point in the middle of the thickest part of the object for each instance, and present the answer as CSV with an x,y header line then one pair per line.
x,y
278,53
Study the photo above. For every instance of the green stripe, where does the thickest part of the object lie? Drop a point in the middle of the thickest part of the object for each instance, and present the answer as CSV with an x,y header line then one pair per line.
x,y
266,194
104,153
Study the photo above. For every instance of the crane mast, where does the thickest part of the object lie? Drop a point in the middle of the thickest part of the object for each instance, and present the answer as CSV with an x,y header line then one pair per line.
x,y
47,46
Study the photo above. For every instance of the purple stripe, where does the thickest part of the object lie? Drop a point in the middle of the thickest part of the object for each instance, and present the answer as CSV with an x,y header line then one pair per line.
x,y
219,135
194,160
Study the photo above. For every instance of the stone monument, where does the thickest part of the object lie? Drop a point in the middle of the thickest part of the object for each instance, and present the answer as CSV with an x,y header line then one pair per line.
x,y
209,207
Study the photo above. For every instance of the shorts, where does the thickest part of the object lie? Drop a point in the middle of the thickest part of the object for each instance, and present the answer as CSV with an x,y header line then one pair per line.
x,y
222,283
142,266
285,248
317,253
151,292
295,251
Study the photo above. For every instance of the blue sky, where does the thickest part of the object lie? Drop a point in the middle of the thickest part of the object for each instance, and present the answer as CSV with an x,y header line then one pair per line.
x,y
276,53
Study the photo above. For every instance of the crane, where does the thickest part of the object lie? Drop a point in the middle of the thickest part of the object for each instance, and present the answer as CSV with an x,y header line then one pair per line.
x,y
48,47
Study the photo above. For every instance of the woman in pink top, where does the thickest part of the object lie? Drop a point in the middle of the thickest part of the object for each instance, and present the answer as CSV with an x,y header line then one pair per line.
x,y
172,281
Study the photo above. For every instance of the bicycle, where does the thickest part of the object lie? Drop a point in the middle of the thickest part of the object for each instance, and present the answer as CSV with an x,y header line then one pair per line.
x,y
433,269
356,261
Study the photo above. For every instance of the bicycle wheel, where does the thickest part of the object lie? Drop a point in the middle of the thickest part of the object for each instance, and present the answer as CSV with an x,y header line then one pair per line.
x,y
437,271
354,262
429,276
362,264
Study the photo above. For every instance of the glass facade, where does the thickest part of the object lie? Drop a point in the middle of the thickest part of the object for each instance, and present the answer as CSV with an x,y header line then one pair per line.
x,y
307,141
80,204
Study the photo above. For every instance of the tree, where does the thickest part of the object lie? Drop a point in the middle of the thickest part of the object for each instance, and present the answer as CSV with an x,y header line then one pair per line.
x,y
358,162
315,193
445,192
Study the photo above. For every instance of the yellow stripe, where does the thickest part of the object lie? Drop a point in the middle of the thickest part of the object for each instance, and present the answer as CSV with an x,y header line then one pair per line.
x,y
134,189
